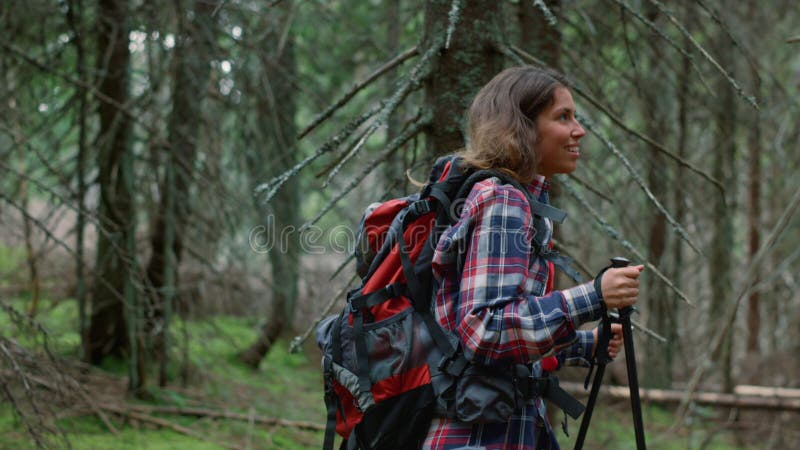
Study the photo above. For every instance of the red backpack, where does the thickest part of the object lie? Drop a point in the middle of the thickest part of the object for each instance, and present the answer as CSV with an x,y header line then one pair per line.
x,y
388,365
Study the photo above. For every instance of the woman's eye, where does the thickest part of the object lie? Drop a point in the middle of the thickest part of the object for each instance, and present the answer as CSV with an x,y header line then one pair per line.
x,y
563,116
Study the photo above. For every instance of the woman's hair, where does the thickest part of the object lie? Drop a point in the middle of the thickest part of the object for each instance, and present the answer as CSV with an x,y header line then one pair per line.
x,y
501,123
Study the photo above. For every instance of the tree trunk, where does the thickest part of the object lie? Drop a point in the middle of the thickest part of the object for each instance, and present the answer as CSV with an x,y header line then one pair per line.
x,y
275,113
461,70
538,37
723,242
656,110
192,70
114,328
754,215
75,20
670,330
114,265
33,267
393,168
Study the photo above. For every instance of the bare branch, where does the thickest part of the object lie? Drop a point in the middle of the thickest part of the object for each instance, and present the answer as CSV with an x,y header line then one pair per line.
x,y
167,424
669,40
793,39
370,166
548,15
750,99
590,188
298,341
453,17
419,71
730,315
611,231
272,186
588,123
636,325
203,412
394,62
605,110
80,83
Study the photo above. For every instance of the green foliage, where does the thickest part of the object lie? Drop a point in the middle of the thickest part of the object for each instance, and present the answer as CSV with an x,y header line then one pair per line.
x,y
10,260
287,386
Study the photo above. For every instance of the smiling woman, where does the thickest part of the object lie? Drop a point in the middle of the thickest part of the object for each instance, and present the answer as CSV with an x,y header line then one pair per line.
x,y
559,133
499,299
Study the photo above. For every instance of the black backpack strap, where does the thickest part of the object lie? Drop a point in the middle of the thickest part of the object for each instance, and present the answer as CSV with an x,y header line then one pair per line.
x,y
415,211
564,263
381,295
331,405
547,387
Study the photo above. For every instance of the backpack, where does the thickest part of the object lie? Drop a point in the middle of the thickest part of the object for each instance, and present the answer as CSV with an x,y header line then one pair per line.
x,y
388,365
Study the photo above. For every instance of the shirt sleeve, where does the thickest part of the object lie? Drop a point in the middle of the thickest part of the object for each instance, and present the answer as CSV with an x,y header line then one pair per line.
x,y
580,352
498,318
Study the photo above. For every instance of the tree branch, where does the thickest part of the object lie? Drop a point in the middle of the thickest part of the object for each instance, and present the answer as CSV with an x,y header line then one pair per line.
x,y
369,167
750,99
676,226
625,243
730,314
605,110
394,62
298,341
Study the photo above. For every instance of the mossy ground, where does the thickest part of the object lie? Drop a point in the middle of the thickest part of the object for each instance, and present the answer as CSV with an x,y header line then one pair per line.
x,y
286,386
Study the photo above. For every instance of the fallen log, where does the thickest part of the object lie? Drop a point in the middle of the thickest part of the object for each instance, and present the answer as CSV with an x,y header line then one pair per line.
x,y
213,414
143,417
776,399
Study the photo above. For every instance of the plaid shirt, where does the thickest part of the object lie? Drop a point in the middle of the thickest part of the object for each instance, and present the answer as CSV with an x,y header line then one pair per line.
x,y
490,292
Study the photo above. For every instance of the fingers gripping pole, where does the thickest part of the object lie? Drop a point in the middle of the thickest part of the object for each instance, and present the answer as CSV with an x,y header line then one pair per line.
x,y
603,359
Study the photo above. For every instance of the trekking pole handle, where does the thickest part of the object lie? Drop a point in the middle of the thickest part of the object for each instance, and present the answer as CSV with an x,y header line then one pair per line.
x,y
619,261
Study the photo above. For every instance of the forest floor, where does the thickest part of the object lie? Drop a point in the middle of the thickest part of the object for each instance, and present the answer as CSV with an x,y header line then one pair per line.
x,y
278,406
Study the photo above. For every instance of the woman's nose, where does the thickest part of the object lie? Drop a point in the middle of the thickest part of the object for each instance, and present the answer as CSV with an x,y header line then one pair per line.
x,y
578,131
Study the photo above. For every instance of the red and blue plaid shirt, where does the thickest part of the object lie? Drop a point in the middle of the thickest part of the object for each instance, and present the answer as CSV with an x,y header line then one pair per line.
x,y
491,293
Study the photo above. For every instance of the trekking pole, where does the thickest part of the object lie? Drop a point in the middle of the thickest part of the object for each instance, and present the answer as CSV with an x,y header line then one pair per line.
x,y
630,362
603,359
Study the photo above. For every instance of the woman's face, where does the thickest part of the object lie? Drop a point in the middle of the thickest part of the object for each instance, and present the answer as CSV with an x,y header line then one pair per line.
x,y
558,133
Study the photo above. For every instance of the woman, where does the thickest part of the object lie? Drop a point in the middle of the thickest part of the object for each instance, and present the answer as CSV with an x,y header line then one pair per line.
x,y
492,292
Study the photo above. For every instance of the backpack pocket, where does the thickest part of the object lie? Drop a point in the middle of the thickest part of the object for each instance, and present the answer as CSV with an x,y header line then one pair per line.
x,y
489,394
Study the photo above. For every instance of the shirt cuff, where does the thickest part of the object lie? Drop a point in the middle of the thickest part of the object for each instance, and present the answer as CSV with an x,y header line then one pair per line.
x,y
579,353
583,303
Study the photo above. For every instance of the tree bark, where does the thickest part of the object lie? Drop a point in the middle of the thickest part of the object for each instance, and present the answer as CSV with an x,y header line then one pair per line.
x,y
538,37
107,334
656,106
723,242
275,110
754,215
460,71
75,20
193,55
393,168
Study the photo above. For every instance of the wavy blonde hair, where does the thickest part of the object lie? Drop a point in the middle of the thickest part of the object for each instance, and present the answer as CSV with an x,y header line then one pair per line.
x,y
501,122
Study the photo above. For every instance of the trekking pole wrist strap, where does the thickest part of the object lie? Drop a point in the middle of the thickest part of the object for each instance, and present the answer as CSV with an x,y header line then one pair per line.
x,y
598,284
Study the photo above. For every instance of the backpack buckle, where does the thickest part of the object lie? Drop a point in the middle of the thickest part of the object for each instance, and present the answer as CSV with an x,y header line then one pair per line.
x,y
422,207
537,386
454,364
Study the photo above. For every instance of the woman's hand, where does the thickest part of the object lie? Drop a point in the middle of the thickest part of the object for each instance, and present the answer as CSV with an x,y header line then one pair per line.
x,y
620,286
615,344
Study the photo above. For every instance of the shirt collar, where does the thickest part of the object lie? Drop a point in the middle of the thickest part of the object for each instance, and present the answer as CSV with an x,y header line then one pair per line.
x,y
538,186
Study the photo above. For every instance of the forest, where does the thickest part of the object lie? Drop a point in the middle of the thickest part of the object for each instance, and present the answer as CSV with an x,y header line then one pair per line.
x,y
182,182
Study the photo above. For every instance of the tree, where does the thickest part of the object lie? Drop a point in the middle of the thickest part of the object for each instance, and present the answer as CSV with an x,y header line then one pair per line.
x,y
724,169
193,55
275,111
114,301
471,38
